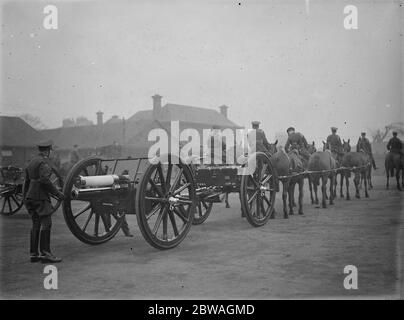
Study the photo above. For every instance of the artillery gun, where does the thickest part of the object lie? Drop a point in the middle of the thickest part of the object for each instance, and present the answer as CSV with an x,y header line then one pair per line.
x,y
167,197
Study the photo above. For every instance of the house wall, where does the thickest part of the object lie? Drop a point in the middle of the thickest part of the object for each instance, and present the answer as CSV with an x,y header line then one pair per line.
x,y
16,156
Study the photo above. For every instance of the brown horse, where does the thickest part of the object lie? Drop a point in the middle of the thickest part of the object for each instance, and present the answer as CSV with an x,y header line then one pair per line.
x,y
311,148
324,162
361,162
281,163
296,167
393,163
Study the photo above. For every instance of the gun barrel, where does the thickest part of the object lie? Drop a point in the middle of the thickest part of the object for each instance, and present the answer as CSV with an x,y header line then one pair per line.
x,y
90,187
100,181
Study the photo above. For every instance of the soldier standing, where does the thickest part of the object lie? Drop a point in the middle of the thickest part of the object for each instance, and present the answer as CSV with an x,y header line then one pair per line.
x,y
55,158
37,190
364,144
395,145
334,143
74,155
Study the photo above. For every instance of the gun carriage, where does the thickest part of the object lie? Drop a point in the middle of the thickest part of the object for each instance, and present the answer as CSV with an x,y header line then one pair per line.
x,y
166,197
11,189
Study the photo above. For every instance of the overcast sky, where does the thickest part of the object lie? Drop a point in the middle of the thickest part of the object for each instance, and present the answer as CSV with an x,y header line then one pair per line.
x,y
281,62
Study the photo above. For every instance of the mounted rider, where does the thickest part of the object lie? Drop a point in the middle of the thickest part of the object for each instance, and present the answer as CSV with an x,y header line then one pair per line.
x,y
364,144
395,145
296,140
261,142
262,145
334,143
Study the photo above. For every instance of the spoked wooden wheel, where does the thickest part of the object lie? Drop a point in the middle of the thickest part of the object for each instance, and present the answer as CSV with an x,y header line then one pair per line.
x,y
57,181
202,211
10,199
165,204
257,190
90,221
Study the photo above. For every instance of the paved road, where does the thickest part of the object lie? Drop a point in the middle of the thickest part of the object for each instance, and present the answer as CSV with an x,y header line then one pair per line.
x,y
302,257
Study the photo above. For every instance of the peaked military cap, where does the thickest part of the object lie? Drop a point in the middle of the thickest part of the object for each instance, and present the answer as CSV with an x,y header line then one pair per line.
x,y
255,123
334,128
45,144
290,129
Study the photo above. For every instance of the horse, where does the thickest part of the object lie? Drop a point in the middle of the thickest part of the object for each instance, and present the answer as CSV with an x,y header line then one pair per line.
x,y
286,164
324,162
359,160
298,166
394,162
281,163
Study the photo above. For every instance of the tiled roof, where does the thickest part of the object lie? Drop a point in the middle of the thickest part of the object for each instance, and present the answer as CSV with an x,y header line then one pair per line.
x,y
189,114
15,132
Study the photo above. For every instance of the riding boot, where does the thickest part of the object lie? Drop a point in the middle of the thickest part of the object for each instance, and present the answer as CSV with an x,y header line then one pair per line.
x,y
34,242
46,254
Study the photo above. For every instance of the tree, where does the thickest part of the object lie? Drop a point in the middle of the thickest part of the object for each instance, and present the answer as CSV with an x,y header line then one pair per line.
x,y
33,121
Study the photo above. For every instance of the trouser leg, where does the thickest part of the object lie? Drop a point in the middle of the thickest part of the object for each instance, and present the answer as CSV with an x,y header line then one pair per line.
x,y
34,238
46,225
46,254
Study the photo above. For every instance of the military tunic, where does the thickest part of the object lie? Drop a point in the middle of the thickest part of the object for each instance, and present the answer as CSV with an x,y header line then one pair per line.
x,y
38,187
395,145
261,142
74,156
334,143
364,144
297,139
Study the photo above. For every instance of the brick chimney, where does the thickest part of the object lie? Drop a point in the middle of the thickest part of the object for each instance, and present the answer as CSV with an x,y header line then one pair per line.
x,y
223,110
99,118
156,104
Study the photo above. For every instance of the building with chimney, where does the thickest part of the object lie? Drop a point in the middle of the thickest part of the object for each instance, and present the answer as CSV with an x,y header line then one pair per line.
x,y
189,116
132,133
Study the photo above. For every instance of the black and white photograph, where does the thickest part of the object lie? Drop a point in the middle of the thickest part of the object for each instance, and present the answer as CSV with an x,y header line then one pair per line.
x,y
222,150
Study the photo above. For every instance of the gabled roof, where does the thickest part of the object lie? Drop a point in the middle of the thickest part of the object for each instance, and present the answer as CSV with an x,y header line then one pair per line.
x,y
142,115
15,132
88,137
189,114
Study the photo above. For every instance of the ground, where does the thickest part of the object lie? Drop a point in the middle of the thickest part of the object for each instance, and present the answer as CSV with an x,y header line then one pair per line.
x,y
301,257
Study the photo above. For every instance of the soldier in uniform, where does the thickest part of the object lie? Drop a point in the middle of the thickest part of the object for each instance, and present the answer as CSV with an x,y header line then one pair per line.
x,y
334,143
37,190
395,145
74,155
55,159
262,145
364,144
297,140
261,142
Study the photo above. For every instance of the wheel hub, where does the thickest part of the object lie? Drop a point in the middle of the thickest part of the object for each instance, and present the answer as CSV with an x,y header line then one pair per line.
x,y
262,190
172,201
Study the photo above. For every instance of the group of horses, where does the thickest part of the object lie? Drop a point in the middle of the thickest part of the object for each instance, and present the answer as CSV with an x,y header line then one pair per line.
x,y
318,167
